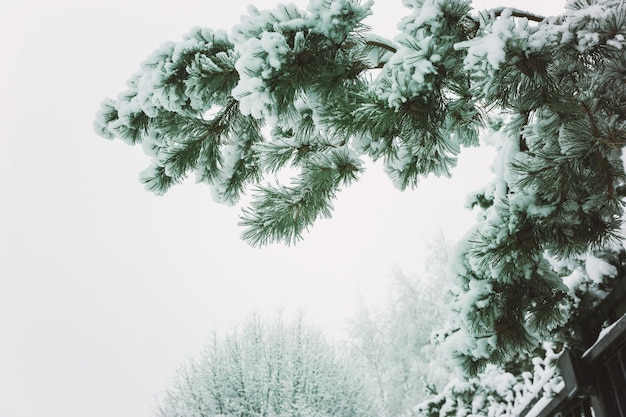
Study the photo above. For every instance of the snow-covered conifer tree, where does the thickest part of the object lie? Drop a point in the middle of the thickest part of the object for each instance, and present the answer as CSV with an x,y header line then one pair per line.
x,y
556,83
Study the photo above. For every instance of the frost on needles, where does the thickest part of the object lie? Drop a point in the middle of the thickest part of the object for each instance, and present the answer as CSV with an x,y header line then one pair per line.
x,y
332,93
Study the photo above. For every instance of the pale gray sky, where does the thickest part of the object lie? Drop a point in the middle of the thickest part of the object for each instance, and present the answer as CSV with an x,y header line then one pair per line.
x,y
104,288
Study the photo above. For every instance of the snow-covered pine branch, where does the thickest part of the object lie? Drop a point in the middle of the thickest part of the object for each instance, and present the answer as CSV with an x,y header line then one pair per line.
x,y
557,83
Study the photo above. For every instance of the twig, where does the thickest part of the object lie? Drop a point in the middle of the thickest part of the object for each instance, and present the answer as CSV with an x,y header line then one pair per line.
x,y
382,46
517,13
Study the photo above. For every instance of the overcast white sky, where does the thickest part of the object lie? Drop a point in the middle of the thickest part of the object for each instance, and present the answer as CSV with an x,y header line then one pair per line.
x,y
104,288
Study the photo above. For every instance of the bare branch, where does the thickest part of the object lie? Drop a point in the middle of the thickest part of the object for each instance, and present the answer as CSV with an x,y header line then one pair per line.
x,y
517,13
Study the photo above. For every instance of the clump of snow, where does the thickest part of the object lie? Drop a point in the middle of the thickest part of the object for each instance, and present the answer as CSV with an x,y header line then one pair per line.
x,y
104,116
335,19
590,279
126,113
617,42
597,269
415,64
458,264
461,342
490,47
260,59
575,279
150,178
258,21
595,10
419,48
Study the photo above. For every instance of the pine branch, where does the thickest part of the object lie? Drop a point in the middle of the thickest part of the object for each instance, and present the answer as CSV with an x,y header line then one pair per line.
x,y
381,45
283,213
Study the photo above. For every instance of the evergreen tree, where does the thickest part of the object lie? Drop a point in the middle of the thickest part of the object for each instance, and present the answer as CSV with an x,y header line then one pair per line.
x,y
557,83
